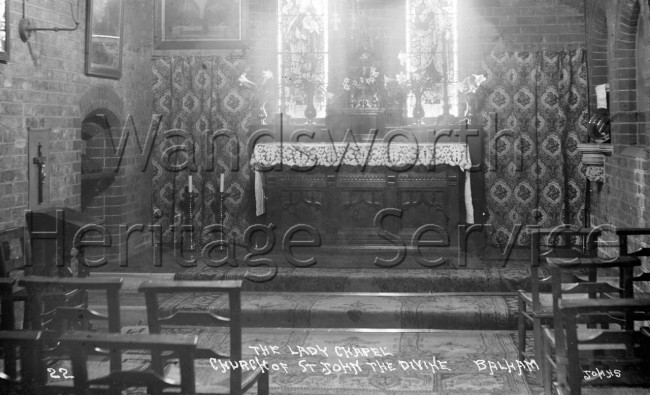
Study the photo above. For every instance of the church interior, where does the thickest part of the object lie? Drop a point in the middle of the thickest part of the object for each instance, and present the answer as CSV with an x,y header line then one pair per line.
x,y
317,197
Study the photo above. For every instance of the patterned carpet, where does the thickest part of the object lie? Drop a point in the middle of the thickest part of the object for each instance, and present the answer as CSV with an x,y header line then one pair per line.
x,y
332,310
453,372
487,279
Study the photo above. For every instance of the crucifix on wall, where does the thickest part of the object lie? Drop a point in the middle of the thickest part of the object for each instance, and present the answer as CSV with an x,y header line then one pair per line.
x,y
39,161
37,149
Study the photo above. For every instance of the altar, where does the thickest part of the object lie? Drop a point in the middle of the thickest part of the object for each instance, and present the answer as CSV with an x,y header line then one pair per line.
x,y
379,193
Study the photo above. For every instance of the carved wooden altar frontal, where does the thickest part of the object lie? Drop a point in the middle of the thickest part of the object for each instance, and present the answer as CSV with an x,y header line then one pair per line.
x,y
343,206
374,195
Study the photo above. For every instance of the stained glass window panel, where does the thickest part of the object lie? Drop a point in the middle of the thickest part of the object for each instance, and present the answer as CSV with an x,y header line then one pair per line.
x,y
302,55
431,51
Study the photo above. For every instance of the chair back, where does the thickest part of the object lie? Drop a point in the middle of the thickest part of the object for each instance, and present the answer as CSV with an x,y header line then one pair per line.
x,y
578,243
63,315
7,311
14,259
620,348
53,306
81,344
21,348
153,290
13,252
597,291
642,280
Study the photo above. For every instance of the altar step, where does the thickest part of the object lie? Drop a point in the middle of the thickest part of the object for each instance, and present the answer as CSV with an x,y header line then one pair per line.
x,y
483,311
364,310
388,280
326,298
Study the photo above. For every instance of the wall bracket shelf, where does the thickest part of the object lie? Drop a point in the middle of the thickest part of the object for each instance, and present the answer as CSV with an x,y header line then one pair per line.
x,y
593,157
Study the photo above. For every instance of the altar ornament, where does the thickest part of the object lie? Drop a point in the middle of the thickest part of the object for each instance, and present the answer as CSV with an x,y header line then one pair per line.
x,y
468,92
187,204
261,93
363,85
310,109
422,83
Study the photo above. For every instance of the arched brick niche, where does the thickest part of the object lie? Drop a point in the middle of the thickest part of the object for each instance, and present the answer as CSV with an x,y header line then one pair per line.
x,y
625,195
101,97
109,186
97,170
643,74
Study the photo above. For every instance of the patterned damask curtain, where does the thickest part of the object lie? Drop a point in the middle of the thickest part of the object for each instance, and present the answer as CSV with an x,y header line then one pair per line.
x,y
195,96
535,114
303,55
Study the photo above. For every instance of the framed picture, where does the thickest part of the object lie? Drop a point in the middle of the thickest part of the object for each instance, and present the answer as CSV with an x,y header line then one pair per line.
x,y
200,24
104,38
4,30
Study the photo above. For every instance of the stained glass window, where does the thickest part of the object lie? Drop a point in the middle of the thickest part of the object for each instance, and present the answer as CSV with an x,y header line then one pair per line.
x,y
430,59
302,55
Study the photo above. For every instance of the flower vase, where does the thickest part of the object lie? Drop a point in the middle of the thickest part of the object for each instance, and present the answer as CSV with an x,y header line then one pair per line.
x,y
418,111
310,110
469,110
259,112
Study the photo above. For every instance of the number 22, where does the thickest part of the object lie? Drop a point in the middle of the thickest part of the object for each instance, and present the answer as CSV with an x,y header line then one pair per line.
x,y
63,371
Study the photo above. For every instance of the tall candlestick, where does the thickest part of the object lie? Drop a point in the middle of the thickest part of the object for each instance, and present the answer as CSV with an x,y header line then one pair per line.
x,y
189,185
221,181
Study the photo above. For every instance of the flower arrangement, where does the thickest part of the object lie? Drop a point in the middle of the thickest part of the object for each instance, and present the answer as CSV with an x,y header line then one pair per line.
x,y
261,93
424,81
262,89
305,80
468,90
364,85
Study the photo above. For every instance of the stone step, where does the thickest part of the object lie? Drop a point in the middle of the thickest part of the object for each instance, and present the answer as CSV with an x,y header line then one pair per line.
x,y
348,298
488,279
332,257
476,311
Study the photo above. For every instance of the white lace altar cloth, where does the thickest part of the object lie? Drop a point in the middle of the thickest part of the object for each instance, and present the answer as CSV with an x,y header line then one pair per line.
x,y
394,155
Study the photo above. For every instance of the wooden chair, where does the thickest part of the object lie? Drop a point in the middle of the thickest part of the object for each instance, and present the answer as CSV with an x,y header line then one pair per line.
x,y
32,371
7,319
624,243
7,311
617,354
81,344
554,339
536,307
14,257
59,316
238,382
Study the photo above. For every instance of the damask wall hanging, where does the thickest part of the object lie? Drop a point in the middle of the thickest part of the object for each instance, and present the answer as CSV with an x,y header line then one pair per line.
x,y
538,102
196,96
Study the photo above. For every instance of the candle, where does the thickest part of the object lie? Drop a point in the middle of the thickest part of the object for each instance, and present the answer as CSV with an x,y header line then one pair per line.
x,y
189,185
221,183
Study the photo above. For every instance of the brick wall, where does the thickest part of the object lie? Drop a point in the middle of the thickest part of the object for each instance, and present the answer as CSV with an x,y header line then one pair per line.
x,y
624,195
517,25
43,86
